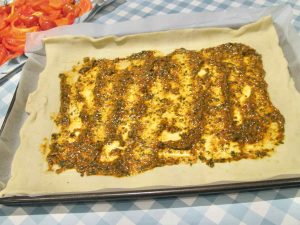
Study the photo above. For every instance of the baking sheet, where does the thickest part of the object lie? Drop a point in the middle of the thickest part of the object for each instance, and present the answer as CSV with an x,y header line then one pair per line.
x,y
35,65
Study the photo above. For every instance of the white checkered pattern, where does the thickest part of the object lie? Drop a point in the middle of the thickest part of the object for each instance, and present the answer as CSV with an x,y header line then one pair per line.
x,y
263,207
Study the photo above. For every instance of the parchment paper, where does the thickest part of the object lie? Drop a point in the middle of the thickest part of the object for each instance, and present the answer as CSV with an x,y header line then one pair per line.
x,y
35,66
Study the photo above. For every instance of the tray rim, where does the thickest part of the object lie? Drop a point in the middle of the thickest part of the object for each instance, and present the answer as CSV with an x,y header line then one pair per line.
x,y
152,193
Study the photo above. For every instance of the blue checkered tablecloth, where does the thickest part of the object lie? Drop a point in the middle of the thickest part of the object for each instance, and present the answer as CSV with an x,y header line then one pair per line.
x,y
279,206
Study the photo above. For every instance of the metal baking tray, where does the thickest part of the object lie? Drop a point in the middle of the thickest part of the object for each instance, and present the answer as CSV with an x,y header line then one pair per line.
x,y
148,193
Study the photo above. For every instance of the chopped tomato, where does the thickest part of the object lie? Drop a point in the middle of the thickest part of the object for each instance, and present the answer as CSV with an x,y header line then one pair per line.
x,y
3,14
36,3
3,54
46,8
56,4
5,31
19,3
54,14
30,21
3,23
62,21
19,30
5,9
26,10
46,24
68,8
68,1
14,55
66,20
12,15
13,44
